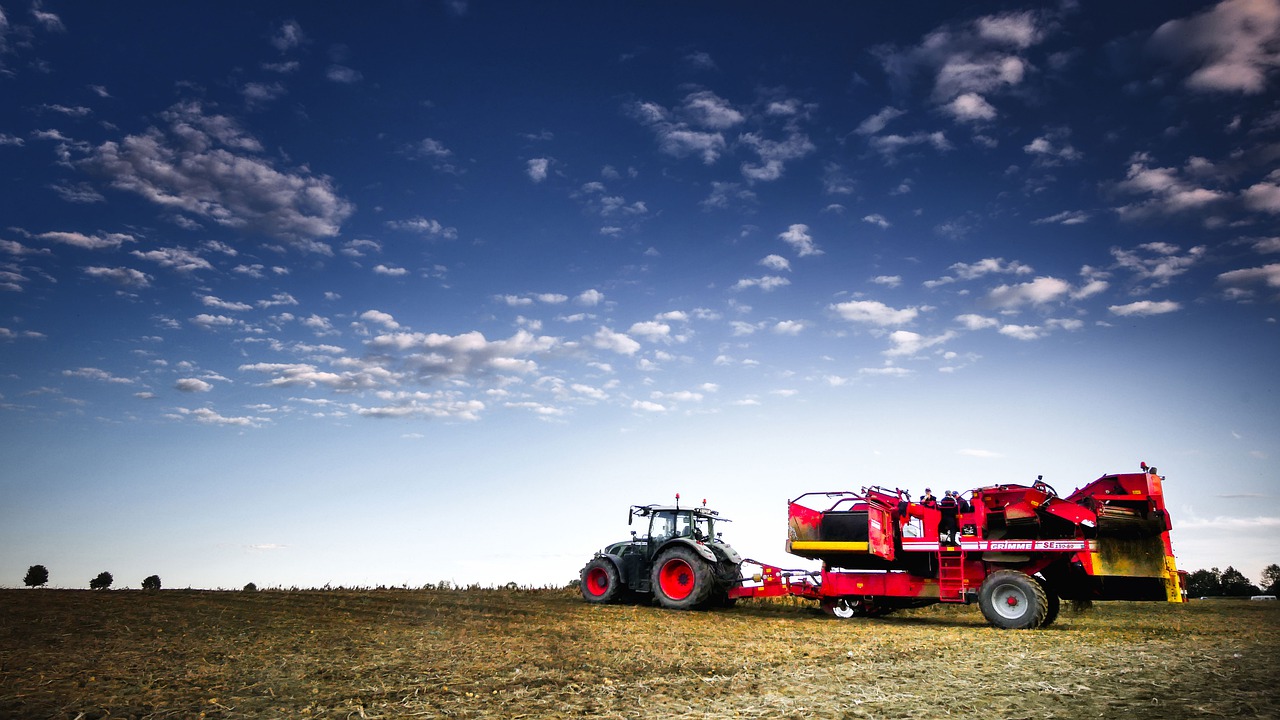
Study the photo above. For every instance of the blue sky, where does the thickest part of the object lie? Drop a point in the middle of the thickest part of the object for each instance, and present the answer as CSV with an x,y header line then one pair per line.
x,y
300,294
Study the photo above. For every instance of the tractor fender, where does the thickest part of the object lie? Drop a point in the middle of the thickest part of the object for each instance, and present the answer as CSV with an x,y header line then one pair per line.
x,y
702,550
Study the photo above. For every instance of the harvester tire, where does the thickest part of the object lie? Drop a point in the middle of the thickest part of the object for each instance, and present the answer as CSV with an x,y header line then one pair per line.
x,y
682,580
843,608
1055,603
600,582
1013,600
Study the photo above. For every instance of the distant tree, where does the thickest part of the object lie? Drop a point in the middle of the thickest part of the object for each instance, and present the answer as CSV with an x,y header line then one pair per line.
x,y
102,582
151,583
1204,583
1271,579
1234,583
37,575
251,588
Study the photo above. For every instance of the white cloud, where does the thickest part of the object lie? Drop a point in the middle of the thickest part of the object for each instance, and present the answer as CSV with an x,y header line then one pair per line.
x,y
650,330
877,122
766,283
891,281
971,107
709,110
192,385
206,166
874,313
906,343
1066,217
1263,196
1242,280
776,262
589,298
1146,307
621,343
536,169
429,227
128,277
797,236
179,259
1023,332
788,327
1037,292
110,241
878,220
977,322
381,318
1157,263
1233,46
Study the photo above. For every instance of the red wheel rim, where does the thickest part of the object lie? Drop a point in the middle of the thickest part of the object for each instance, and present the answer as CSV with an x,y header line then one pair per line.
x,y
676,579
597,581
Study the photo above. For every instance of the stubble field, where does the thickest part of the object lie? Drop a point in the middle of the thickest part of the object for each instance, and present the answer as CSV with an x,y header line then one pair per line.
x,y
546,654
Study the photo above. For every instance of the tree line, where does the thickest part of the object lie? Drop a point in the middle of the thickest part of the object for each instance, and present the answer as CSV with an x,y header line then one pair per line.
x,y
38,576
1201,583
1232,583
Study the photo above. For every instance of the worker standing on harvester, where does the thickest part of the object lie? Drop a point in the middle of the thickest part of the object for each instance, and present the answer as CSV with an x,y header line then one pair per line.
x,y
928,500
949,525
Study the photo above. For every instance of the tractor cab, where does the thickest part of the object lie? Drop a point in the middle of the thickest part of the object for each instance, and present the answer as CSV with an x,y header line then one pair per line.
x,y
667,523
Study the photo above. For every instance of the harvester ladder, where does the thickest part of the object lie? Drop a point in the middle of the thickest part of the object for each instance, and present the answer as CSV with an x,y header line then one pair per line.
x,y
951,579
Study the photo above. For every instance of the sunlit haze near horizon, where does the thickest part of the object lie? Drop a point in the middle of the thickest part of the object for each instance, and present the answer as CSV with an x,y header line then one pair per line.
x,y
399,293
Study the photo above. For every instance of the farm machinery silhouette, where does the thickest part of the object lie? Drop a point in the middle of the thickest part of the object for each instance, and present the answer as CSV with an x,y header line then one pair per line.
x,y
1015,550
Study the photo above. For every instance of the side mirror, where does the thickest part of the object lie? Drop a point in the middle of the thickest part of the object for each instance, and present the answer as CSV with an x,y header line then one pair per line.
x,y
631,515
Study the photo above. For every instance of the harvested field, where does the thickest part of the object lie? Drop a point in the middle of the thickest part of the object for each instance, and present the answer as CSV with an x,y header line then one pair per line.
x,y
546,654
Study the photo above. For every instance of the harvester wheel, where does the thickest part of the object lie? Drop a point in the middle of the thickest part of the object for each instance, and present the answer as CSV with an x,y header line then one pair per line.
x,y
682,580
843,608
600,582
1055,603
1012,600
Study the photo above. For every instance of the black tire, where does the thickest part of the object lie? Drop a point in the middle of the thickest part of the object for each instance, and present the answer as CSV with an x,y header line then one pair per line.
x,y
600,582
843,608
1012,600
682,579
1055,603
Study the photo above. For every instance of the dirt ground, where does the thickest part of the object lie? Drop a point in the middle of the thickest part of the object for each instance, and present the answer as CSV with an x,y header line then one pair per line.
x,y
546,654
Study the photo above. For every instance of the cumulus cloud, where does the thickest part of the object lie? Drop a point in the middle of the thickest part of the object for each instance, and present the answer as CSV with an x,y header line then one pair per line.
x,y
536,169
971,107
206,166
1146,307
1233,47
1241,282
797,236
1157,263
766,283
109,241
127,277
1168,190
427,227
192,385
969,62
676,137
179,259
1039,291
776,262
621,343
873,312
907,343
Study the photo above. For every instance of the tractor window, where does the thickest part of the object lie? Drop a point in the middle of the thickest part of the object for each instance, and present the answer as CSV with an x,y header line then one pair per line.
x,y
661,526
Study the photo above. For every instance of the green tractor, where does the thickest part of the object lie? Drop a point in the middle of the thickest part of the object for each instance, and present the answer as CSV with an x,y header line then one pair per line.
x,y
681,562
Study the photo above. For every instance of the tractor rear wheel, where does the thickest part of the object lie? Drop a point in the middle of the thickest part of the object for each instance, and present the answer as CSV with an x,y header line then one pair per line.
x,y
682,580
600,582
1013,600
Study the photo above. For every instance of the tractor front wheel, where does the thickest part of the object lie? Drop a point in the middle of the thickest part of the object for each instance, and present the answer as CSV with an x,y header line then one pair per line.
x,y
682,580
600,582
1013,600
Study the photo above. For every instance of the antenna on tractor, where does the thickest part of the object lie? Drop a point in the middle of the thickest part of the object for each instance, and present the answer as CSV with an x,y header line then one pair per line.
x,y
704,502
677,501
